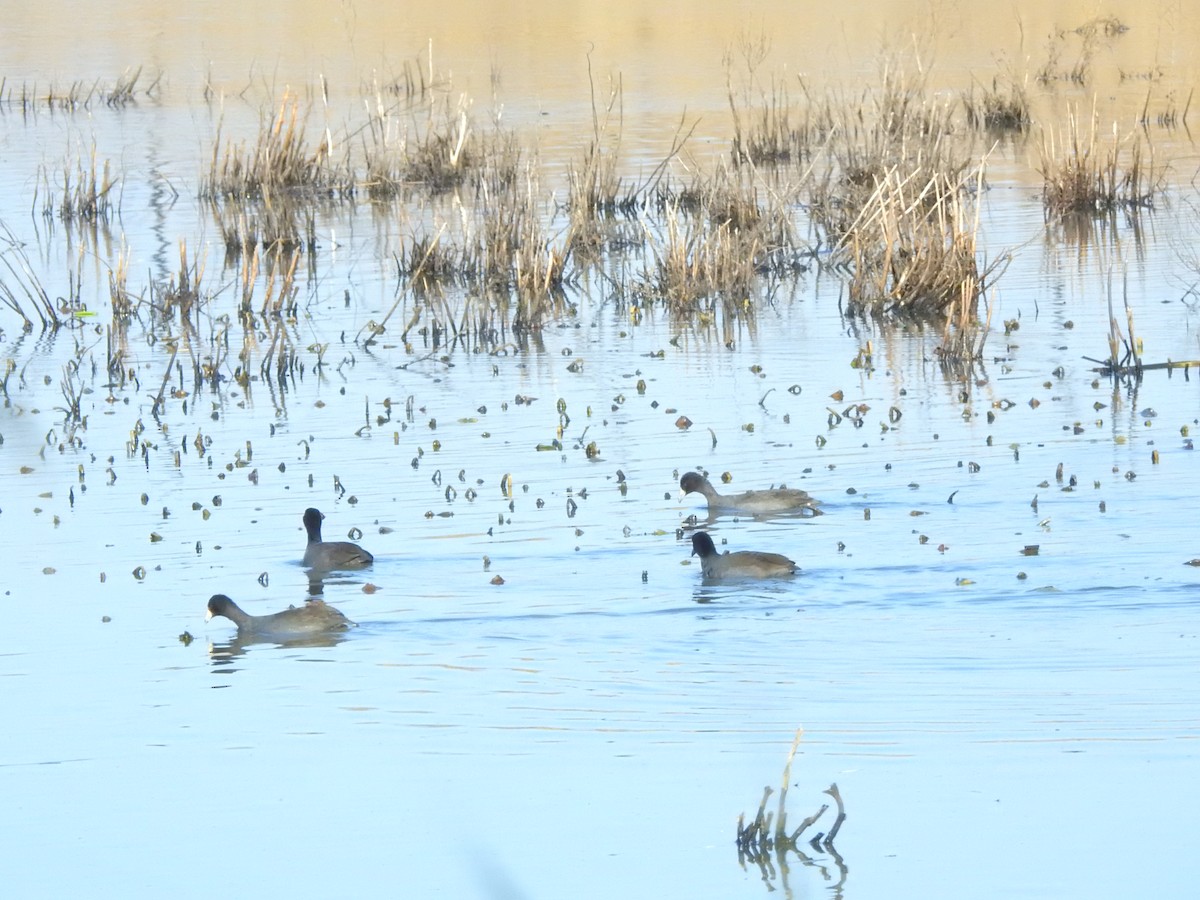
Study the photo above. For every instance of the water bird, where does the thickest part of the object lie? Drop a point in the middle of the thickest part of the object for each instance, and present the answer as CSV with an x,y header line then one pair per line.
x,y
330,554
314,617
761,502
740,563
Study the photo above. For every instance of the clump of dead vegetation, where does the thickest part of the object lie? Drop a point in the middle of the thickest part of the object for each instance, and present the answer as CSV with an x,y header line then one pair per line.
x,y
913,249
434,150
770,128
718,236
897,203
280,164
1002,107
600,203
82,195
1084,175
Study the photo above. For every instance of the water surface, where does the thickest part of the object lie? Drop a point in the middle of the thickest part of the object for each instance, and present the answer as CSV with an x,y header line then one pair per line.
x,y
993,716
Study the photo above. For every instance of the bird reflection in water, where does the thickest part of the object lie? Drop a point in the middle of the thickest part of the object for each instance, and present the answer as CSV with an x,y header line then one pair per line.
x,y
223,653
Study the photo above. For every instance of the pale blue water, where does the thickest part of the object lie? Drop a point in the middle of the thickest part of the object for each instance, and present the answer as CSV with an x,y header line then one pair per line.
x,y
999,724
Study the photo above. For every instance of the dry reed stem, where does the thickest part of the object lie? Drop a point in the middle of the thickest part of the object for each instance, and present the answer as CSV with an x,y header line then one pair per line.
x,y
28,291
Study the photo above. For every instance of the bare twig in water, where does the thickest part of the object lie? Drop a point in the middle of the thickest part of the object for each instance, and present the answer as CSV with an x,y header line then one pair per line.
x,y
768,847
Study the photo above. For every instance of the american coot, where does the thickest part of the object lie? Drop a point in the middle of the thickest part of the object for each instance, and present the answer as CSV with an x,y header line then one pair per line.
x,y
740,564
330,554
774,500
313,617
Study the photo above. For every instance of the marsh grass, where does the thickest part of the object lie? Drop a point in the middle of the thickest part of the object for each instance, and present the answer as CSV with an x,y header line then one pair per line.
x,y
519,254
20,289
124,90
118,286
776,130
1002,107
86,194
179,298
491,269
414,82
430,264
1083,175
286,223
383,154
124,308
442,154
885,179
604,207
913,250
438,152
599,202
697,263
898,130
281,162
895,202
79,95
769,127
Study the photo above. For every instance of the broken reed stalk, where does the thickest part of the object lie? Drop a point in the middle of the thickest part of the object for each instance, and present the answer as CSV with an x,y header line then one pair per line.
x,y
781,817
758,839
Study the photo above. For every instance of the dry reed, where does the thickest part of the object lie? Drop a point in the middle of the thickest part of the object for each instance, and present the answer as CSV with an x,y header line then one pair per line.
x,y
1082,175
79,95
1002,107
86,195
21,292
279,164
895,203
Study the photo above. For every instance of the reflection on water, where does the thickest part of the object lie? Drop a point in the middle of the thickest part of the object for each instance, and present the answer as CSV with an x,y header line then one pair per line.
x,y
774,866
223,653
767,841
319,578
